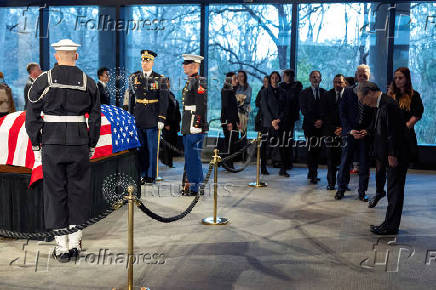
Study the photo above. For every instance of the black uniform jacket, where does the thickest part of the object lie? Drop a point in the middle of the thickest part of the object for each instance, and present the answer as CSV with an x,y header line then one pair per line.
x,y
194,96
143,89
79,98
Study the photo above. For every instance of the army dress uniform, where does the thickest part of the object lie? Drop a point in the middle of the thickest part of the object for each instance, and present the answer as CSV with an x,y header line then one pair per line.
x,y
64,95
194,124
148,102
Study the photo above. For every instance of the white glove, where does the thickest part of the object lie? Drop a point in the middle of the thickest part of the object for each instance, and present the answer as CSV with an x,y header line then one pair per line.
x,y
37,153
194,130
91,151
160,125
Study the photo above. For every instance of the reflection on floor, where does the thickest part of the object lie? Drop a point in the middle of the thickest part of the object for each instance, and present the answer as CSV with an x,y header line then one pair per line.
x,y
289,235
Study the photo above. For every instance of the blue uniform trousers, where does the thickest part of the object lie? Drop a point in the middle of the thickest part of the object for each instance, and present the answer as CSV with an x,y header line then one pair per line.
x,y
193,143
148,151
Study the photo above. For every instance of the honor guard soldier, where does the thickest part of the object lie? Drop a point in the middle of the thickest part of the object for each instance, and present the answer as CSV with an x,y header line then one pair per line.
x,y
148,102
194,121
65,143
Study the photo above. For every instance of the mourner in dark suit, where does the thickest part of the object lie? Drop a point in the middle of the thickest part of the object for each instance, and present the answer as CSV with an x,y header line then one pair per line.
x,y
34,71
273,116
391,149
64,94
333,129
313,103
292,107
171,128
412,109
194,122
103,79
258,127
355,120
229,114
148,102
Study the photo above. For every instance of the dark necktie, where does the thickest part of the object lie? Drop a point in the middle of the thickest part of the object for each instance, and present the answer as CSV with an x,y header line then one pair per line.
x,y
317,94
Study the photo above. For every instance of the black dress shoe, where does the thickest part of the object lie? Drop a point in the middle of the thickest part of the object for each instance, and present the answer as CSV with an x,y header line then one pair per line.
x,y
384,231
363,197
283,173
314,180
74,254
339,195
142,180
330,187
373,202
62,257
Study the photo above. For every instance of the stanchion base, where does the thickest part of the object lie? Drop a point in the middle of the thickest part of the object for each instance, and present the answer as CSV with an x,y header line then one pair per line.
x,y
261,184
219,221
158,178
136,287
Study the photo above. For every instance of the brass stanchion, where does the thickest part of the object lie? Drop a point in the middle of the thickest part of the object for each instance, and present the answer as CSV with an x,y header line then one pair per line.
x,y
258,183
215,220
158,178
131,199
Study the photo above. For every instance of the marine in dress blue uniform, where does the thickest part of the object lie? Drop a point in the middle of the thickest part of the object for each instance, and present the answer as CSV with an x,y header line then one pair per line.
x,y
194,121
148,102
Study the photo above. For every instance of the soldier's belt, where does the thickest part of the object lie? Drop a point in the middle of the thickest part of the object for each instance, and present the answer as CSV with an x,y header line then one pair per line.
x,y
64,119
146,102
191,108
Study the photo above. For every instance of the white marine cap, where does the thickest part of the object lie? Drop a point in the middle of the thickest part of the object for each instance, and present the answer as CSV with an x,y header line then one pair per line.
x,y
190,58
65,45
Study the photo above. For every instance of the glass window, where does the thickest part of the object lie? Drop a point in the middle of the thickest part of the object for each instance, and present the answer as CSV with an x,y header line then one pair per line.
x,y
169,31
254,38
19,38
415,48
336,38
80,24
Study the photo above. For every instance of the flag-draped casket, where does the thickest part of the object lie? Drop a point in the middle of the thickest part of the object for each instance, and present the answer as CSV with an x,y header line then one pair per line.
x,y
117,133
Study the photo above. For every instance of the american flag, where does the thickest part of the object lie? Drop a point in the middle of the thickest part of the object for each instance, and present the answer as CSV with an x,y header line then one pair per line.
x,y
117,133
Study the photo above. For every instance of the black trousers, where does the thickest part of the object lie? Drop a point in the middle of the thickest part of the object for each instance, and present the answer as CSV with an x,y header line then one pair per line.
x,y
380,177
333,147
313,145
279,138
66,185
396,178
230,140
166,155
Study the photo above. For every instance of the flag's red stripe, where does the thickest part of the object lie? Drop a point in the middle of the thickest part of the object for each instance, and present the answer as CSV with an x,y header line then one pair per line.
x,y
13,136
30,157
106,129
102,151
36,175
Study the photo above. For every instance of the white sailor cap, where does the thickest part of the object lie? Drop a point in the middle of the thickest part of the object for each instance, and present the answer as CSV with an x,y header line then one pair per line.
x,y
190,58
65,45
